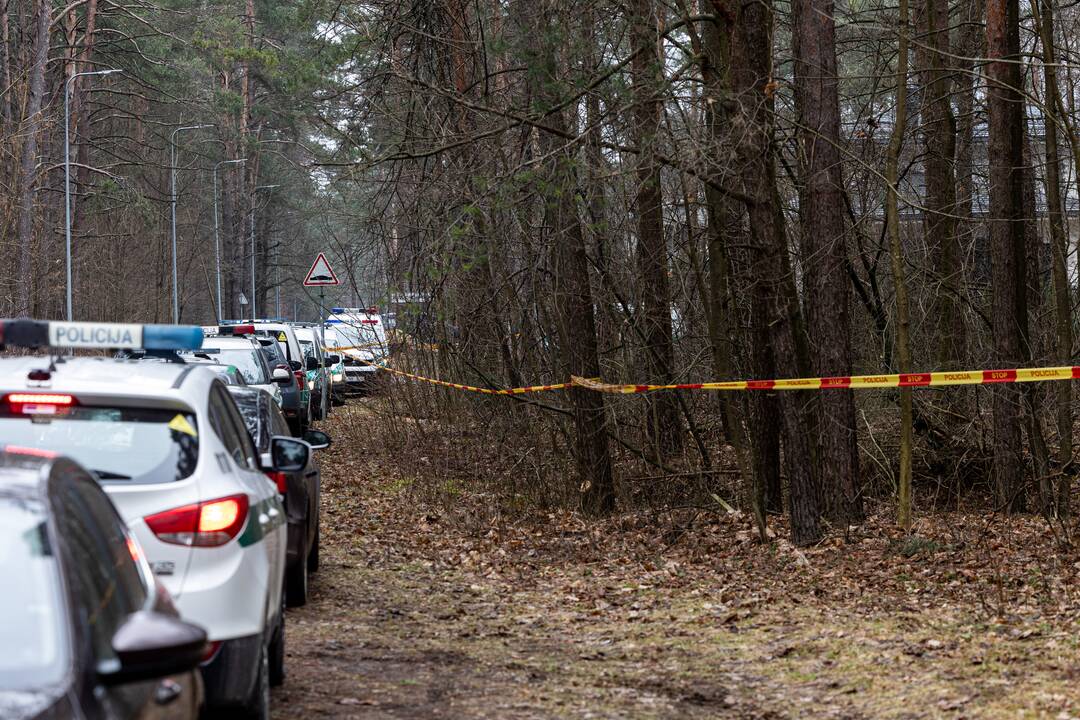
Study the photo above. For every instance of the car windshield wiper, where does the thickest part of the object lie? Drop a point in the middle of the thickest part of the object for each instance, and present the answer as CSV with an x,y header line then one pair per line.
x,y
109,475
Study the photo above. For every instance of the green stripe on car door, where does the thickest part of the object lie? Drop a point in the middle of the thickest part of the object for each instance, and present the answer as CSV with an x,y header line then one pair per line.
x,y
254,531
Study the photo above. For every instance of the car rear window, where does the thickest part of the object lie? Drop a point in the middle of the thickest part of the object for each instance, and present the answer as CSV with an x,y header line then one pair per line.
x,y
130,445
246,360
273,355
33,631
248,405
282,341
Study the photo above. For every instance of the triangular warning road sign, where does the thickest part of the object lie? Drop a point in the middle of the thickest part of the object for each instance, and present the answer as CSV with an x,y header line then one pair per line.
x,y
321,273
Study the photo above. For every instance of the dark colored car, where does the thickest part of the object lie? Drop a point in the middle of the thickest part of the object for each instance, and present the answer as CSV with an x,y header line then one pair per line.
x,y
87,632
291,401
300,491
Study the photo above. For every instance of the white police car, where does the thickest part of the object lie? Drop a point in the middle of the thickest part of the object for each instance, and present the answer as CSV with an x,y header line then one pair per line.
x,y
171,450
236,345
360,338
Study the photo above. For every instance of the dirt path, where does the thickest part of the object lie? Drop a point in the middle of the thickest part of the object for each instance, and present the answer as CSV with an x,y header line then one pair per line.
x,y
415,616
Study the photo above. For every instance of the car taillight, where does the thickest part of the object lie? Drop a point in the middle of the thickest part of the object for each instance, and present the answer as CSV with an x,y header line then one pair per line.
x,y
206,524
39,403
299,379
211,650
280,479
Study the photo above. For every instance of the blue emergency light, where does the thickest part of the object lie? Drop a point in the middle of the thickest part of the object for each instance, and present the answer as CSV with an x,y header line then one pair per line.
x,y
99,336
172,337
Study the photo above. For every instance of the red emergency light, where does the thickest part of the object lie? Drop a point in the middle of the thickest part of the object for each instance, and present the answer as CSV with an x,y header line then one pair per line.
x,y
236,330
38,403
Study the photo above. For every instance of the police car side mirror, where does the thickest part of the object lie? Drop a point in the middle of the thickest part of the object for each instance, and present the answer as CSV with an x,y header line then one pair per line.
x,y
317,439
332,360
312,363
282,376
151,645
288,454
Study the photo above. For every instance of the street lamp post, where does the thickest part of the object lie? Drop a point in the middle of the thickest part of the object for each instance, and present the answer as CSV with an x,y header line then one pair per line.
x,y
172,185
258,188
217,238
67,177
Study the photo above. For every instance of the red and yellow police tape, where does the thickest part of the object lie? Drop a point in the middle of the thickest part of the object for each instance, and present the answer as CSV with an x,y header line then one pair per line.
x,y
855,382
472,388
858,382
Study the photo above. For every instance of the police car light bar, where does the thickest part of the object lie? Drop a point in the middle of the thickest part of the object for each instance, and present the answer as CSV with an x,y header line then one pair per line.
x,y
99,336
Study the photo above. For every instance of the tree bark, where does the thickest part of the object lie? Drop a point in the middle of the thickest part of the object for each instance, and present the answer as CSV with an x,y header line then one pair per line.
x,y
663,427
969,43
6,102
753,85
1059,246
759,459
572,293
28,165
896,255
1008,251
939,138
824,249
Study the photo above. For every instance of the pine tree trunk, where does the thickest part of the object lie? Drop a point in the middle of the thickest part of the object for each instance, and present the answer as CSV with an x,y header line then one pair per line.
x,y
1008,251
752,77
1059,242
28,164
939,138
970,42
572,293
896,256
759,458
824,249
6,102
663,426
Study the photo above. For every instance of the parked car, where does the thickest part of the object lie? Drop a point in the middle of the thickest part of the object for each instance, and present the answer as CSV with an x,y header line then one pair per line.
x,y
87,631
237,345
318,374
336,366
300,490
283,374
228,374
171,450
282,332
362,343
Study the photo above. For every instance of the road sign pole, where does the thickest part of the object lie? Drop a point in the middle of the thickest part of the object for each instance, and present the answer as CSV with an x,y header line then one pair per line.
x,y
320,275
322,316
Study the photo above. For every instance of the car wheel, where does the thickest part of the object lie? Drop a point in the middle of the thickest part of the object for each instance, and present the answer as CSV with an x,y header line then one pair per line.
x,y
296,583
313,556
277,652
258,707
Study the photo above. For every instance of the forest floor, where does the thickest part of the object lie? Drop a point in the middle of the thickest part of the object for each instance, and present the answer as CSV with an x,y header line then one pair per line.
x,y
417,613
